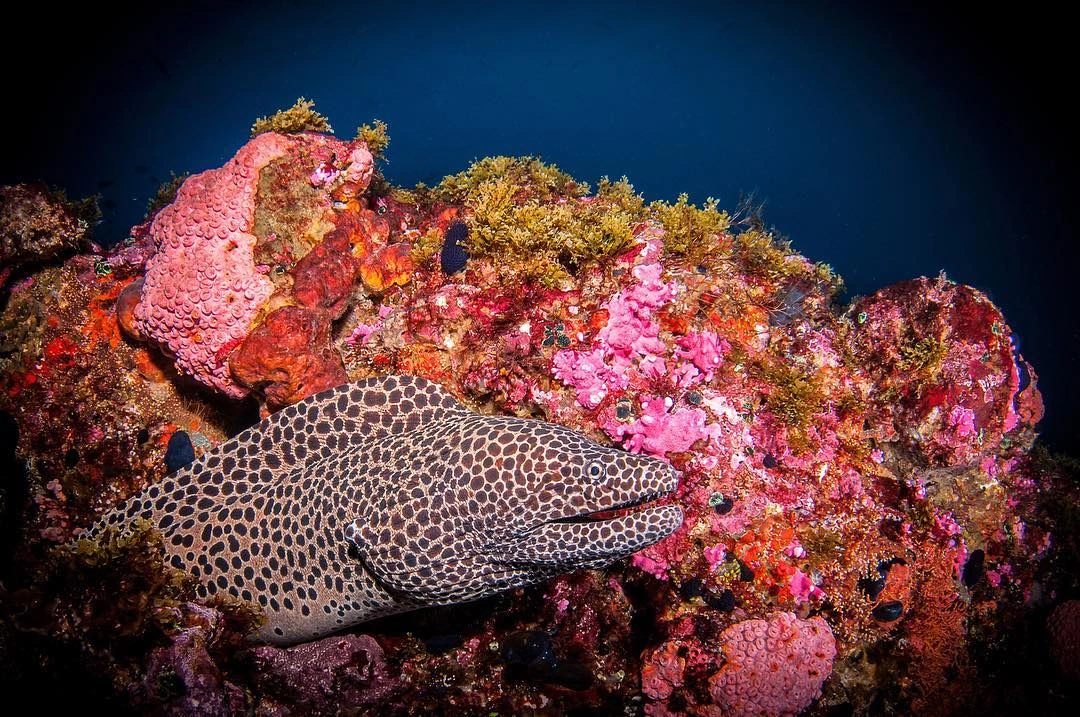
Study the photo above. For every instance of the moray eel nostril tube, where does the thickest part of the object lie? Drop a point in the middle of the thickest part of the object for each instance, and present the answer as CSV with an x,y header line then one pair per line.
x,y
387,495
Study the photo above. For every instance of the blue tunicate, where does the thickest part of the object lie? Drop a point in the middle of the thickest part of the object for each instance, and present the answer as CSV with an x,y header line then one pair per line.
x,y
453,256
888,611
179,452
438,644
724,602
872,586
1023,377
973,568
692,588
788,307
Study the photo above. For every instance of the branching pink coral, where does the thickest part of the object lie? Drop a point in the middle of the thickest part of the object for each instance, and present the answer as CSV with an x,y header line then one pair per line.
x,y
661,429
705,351
774,667
589,374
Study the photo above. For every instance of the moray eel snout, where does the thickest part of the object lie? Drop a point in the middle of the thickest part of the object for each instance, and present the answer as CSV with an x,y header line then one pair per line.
x,y
387,495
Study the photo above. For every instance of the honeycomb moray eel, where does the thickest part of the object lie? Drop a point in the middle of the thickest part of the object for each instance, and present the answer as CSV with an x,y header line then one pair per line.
x,y
387,495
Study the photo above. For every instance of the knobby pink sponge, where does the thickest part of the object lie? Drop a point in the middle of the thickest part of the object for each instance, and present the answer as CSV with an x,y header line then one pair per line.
x,y
774,667
202,290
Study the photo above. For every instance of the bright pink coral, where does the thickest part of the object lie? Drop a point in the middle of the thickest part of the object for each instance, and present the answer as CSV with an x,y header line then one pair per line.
x,y
774,667
203,290
589,374
631,329
661,429
706,352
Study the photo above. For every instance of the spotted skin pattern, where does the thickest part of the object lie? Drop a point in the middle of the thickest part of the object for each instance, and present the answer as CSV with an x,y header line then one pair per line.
x,y
387,495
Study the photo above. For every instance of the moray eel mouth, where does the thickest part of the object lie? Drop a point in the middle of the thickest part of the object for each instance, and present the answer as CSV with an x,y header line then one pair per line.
x,y
645,502
596,537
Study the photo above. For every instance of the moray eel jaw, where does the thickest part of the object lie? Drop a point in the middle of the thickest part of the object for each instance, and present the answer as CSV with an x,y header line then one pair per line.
x,y
594,542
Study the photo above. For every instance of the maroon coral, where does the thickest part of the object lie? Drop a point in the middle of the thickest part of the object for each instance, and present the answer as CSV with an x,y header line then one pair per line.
x,y
774,667
946,382
39,226
1064,627
323,677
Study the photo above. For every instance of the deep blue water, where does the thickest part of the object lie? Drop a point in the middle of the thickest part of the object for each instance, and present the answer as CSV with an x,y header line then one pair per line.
x,y
889,143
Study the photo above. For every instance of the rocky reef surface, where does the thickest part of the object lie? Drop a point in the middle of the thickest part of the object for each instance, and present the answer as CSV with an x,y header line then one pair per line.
x,y
868,529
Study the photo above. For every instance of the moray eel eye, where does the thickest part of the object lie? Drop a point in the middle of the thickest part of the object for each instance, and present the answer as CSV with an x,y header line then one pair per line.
x,y
595,471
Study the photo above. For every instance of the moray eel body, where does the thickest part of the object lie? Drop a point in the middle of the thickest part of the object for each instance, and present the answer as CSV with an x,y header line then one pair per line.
x,y
388,495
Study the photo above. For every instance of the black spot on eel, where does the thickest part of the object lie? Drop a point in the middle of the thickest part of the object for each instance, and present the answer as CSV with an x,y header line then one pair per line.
x,y
387,495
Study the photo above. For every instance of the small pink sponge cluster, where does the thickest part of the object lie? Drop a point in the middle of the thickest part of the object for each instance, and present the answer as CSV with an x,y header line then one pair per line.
x,y
774,667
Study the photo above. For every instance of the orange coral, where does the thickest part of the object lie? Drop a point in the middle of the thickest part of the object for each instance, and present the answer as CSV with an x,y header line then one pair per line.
x,y
387,267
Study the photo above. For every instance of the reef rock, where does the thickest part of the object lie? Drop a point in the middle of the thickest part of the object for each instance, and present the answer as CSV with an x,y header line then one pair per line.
x,y
866,522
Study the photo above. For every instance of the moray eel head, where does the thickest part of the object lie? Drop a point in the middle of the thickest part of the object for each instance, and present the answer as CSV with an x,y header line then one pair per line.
x,y
517,501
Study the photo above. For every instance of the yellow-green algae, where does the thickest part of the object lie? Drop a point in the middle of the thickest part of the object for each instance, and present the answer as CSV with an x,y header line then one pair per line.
x,y
301,117
116,585
689,230
166,192
794,397
376,137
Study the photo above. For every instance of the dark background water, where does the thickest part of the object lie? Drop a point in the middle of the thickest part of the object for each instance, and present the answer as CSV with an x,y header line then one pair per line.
x,y
890,143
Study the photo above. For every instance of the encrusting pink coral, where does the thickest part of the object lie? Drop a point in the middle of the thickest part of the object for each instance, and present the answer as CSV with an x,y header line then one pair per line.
x,y
774,667
202,290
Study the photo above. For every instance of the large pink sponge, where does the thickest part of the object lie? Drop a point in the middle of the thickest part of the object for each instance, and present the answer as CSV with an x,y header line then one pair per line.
x,y
774,667
202,290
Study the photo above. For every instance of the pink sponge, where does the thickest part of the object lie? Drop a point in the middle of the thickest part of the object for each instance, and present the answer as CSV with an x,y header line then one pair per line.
x,y
774,667
202,290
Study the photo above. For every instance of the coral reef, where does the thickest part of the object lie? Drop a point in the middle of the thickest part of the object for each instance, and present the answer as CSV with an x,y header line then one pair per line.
x,y
868,527
38,226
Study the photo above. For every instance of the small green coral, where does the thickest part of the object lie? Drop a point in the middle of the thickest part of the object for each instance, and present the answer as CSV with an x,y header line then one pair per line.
x,y
301,117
